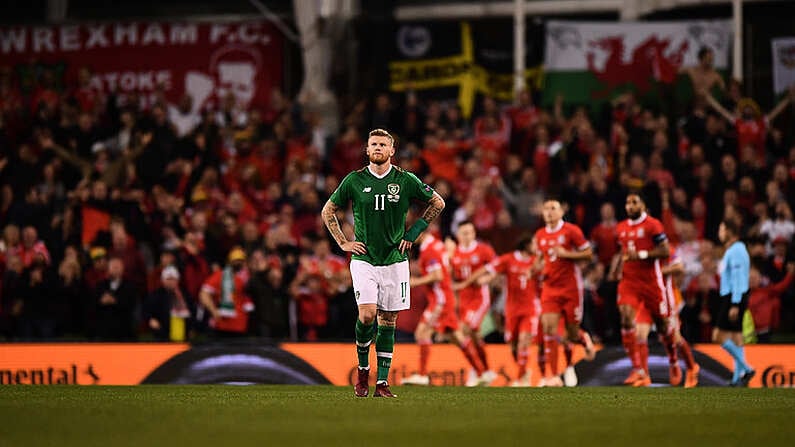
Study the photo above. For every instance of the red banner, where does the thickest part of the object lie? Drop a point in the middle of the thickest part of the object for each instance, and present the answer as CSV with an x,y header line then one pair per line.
x,y
208,60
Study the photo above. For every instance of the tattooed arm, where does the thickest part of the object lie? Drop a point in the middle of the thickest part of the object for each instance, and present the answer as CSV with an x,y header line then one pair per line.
x,y
329,215
435,207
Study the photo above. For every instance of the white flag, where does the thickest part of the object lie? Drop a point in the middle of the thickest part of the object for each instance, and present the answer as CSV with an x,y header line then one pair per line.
x,y
783,63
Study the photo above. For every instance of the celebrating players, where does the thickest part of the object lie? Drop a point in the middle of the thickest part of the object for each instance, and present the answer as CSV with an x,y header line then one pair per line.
x,y
439,315
521,305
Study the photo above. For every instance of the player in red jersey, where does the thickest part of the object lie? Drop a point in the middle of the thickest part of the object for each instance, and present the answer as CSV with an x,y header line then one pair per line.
x,y
643,321
674,267
473,301
439,315
561,245
522,306
643,245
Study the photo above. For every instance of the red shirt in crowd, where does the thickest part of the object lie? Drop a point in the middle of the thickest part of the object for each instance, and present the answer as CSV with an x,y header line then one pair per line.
x,y
751,132
242,303
765,304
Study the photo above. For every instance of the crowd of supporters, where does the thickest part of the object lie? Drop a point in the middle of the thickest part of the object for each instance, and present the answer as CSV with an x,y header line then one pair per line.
x,y
123,220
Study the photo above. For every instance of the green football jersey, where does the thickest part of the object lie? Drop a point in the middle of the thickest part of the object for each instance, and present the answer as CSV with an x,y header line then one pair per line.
x,y
380,206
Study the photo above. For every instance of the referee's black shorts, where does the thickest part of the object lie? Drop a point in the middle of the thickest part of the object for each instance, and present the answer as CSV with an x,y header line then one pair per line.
x,y
722,321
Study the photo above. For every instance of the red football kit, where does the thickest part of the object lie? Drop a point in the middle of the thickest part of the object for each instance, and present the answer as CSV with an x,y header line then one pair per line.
x,y
433,257
561,291
672,295
522,306
474,299
641,279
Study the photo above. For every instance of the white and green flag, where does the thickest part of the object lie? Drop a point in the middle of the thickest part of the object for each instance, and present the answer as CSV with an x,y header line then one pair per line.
x,y
591,62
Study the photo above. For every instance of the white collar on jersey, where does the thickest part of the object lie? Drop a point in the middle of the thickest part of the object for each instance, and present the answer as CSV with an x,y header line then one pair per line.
x,y
518,255
468,248
555,228
427,240
640,219
380,176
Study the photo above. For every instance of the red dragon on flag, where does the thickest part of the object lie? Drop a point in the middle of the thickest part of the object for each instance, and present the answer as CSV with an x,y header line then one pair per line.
x,y
648,61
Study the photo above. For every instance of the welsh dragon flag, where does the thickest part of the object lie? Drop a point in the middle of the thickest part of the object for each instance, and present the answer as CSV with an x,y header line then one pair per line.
x,y
591,62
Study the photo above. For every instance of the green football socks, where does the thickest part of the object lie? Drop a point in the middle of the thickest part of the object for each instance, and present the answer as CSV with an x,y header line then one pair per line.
x,y
384,346
364,338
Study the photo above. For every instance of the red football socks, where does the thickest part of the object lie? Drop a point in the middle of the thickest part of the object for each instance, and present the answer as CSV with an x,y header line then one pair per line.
x,y
551,351
425,353
687,354
521,362
630,345
668,343
642,355
468,348
480,346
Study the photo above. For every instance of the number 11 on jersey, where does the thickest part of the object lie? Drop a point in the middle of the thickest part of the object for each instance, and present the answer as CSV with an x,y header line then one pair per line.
x,y
380,201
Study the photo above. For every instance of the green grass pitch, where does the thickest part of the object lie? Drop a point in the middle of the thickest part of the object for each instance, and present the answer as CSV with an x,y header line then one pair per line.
x,y
287,416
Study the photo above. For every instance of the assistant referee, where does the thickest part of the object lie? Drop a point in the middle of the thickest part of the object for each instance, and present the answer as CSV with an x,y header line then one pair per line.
x,y
734,271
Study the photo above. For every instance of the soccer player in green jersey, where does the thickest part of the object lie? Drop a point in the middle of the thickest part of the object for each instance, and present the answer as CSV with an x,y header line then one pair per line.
x,y
381,195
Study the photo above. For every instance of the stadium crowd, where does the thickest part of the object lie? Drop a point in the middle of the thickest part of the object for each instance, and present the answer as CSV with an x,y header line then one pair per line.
x,y
125,221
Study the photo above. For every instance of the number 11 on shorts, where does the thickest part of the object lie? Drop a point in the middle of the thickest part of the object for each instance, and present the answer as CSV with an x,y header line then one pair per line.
x,y
403,286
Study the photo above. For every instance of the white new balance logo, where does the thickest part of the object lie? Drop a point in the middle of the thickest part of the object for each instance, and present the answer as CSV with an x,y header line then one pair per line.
x,y
367,189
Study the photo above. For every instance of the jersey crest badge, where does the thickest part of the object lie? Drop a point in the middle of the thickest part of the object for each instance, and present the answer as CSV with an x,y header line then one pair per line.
x,y
561,239
393,189
640,232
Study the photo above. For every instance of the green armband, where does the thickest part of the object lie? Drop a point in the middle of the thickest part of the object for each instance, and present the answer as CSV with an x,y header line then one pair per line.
x,y
414,232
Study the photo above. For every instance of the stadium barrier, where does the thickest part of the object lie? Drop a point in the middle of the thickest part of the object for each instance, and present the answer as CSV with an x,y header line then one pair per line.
x,y
333,363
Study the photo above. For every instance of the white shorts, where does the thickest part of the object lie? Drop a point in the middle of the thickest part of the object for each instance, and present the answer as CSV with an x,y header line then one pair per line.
x,y
386,286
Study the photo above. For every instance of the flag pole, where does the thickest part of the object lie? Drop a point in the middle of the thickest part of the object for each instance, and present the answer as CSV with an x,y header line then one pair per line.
x,y
518,46
737,21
